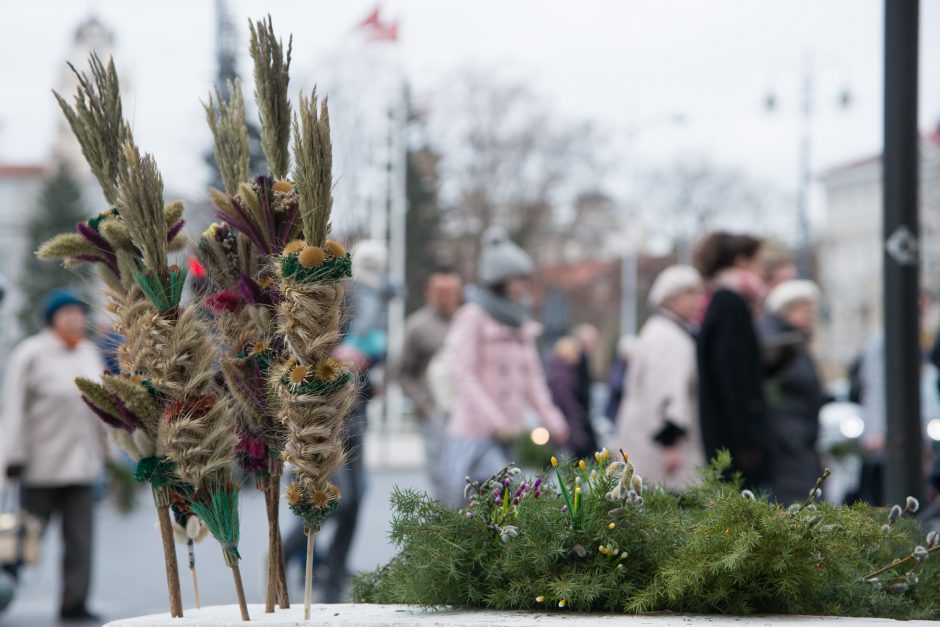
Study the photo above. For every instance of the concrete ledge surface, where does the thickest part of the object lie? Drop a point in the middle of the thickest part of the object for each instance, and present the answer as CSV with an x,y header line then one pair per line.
x,y
361,615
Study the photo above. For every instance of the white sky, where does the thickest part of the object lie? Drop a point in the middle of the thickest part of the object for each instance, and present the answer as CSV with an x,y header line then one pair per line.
x,y
615,62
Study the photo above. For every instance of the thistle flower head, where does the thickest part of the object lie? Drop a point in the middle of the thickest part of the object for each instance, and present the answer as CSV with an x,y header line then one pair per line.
x,y
335,248
293,493
332,490
328,370
283,185
297,374
320,499
294,246
311,257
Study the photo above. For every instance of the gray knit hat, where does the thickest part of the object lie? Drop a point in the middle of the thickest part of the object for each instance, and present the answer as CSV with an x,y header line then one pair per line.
x,y
501,259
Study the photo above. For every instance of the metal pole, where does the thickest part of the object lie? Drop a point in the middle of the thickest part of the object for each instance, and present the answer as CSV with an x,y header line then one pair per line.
x,y
628,287
804,253
903,449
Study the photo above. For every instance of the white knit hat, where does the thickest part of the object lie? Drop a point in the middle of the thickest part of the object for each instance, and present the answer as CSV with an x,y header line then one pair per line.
x,y
790,292
501,259
673,281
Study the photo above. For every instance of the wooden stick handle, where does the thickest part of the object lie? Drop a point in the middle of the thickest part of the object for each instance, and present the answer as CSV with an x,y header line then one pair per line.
x,y
196,587
239,590
191,545
270,596
282,595
308,576
169,558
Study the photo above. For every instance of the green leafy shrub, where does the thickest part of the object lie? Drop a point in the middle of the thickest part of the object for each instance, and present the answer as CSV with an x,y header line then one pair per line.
x,y
589,537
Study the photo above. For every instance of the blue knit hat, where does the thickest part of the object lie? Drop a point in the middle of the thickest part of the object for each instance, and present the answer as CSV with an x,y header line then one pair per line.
x,y
57,299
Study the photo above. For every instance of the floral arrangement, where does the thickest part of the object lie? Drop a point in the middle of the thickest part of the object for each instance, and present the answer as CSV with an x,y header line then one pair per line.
x,y
588,535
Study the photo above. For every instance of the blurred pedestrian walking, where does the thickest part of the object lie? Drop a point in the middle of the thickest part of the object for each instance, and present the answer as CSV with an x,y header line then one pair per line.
x,y
794,392
563,370
658,423
425,331
496,376
733,413
588,339
618,376
52,443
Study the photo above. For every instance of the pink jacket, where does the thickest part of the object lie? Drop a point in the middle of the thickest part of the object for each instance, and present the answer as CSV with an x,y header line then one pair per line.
x,y
496,376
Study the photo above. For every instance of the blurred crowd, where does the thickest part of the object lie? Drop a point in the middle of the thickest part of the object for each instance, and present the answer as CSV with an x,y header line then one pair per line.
x,y
724,360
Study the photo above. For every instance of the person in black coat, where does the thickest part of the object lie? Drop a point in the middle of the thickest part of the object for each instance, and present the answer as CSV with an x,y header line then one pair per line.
x,y
732,409
794,392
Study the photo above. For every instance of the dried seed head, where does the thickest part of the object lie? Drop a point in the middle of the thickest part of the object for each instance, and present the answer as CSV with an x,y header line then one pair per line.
x,y
312,257
328,370
298,374
320,499
335,248
294,246
283,185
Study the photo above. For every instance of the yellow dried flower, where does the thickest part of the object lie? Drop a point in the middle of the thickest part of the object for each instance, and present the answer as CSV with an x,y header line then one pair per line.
x,y
320,499
290,363
312,257
554,462
335,248
581,464
328,370
294,246
210,232
612,526
293,493
561,603
283,185
298,374
258,347
540,599
265,282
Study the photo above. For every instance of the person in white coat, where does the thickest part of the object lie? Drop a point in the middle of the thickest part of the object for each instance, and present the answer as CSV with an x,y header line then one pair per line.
x,y
658,421
51,441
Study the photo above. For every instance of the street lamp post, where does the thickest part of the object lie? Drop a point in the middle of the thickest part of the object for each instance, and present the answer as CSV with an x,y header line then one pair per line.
x,y
903,473
807,111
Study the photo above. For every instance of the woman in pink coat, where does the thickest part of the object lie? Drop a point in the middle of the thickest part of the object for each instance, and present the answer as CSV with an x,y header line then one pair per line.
x,y
497,379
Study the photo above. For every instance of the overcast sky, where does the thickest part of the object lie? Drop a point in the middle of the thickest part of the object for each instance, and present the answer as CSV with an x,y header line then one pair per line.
x,y
617,63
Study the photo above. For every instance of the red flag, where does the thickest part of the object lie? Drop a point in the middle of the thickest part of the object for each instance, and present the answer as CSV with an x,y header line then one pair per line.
x,y
371,21
385,32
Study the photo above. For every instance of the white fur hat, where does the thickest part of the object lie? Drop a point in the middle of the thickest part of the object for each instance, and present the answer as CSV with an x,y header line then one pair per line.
x,y
790,292
673,281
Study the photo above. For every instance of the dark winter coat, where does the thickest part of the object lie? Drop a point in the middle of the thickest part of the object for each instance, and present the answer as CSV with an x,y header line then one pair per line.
x,y
794,397
732,410
563,384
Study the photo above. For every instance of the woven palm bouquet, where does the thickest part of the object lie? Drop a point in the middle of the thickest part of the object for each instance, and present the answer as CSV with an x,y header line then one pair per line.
x,y
243,379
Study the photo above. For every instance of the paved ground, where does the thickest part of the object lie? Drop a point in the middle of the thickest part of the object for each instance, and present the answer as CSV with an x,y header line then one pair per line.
x,y
129,578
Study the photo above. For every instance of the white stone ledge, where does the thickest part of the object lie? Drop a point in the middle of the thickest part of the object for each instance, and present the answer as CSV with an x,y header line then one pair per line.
x,y
360,615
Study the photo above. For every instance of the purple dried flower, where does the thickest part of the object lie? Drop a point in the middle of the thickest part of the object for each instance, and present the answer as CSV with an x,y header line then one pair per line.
x,y
518,492
564,509
499,500
537,493
537,482
515,501
469,515
524,485
495,493
506,482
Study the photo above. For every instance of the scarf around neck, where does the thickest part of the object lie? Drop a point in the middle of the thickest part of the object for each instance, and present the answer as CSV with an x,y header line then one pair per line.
x,y
500,309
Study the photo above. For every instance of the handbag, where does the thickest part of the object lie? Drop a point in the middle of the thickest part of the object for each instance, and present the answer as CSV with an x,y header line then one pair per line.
x,y
20,531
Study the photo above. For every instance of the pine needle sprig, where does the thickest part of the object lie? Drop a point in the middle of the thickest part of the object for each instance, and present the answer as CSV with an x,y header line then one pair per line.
x,y
97,121
227,122
313,155
272,74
